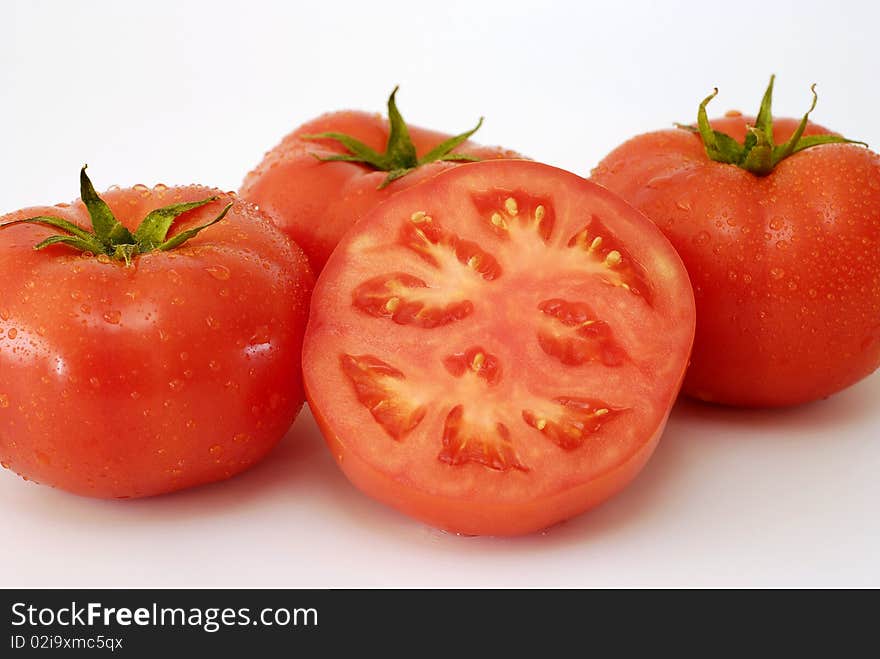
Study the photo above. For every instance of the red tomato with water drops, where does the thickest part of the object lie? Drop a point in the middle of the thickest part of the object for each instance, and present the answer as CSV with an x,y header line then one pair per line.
x,y
778,223
151,342
331,171
497,349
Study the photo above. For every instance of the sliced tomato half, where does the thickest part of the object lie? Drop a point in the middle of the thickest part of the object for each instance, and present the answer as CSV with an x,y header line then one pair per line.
x,y
498,348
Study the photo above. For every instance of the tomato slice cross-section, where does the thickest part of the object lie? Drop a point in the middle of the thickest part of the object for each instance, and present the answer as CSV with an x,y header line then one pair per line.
x,y
498,349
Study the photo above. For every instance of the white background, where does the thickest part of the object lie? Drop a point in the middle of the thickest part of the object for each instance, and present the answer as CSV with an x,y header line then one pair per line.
x,y
180,92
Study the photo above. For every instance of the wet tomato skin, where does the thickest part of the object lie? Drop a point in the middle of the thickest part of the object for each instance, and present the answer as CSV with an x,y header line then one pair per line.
x,y
785,267
179,370
316,202
498,349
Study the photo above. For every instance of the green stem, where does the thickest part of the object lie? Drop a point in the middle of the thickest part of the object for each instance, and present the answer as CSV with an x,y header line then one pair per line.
x,y
108,236
399,157
758,154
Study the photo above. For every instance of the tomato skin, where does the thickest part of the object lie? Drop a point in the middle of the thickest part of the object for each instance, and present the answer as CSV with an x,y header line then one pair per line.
x,y
514,294
182,369
316,202
785,268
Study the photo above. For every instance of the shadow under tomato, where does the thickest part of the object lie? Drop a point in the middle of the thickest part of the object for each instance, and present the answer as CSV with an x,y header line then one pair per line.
x,y
681,451
682,448
834,413
301,474
300,460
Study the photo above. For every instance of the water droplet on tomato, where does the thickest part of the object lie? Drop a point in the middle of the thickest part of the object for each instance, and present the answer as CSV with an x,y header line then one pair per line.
x,y
4,314
112,317
777,273
260,335
215,450
702,238
4,401
12,333
175,385
776,223
241,438
220,272
103,258
160,187
95,382
213,365
211,322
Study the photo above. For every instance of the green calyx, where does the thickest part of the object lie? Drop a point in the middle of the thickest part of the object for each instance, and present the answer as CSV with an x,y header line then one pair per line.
x,y
400,156
758,154
110,237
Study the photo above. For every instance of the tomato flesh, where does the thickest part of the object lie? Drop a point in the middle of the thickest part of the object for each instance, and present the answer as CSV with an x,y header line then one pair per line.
x,y
498,349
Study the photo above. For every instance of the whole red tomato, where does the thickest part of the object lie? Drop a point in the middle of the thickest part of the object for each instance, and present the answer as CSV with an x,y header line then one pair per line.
x,y
328,173
136,361
778,224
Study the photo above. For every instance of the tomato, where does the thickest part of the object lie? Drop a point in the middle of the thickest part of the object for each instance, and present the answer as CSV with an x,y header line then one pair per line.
x,y
151,366
784,259
323,178
497,349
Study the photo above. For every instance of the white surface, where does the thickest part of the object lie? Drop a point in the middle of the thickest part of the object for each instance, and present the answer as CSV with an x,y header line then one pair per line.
x,y
182,92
